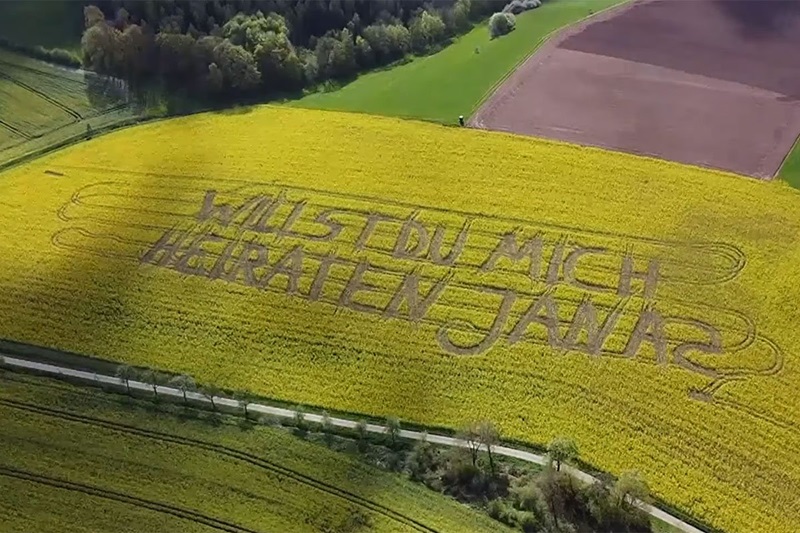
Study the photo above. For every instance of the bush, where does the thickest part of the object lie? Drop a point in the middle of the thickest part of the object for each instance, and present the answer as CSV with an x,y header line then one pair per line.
x,y
504,513
495,509
518,6
501,24
57,55
54,55
245,424
528,522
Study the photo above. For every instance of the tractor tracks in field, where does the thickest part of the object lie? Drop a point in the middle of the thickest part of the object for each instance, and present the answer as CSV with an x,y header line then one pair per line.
x,y
62,79
15,130
98,492
74,114
435,438
39,72
232,453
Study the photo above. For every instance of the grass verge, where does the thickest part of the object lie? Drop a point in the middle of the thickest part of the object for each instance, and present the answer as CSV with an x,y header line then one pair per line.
x,y
790,170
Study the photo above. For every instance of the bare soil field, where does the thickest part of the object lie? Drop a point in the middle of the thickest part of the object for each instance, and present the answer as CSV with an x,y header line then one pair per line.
x,y
707,82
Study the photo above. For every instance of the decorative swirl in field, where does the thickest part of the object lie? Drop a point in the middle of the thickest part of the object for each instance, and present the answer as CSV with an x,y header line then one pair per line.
x,y
166,207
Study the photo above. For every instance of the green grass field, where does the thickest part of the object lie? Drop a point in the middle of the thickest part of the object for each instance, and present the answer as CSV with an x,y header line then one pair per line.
x,y
7,136
453,82
42,105
790,171
80,460
23,112
46,23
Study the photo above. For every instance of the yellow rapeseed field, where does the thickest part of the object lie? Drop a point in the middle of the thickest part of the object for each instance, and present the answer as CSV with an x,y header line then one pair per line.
x,y
379,266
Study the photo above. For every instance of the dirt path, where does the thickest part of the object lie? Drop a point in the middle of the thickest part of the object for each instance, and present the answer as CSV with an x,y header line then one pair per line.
x,y
434,438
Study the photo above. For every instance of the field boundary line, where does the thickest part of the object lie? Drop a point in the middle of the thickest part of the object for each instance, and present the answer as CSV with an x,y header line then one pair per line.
x,y
40,72
15,130
281,412
795,146
72,140
46,97
496,85
240,455
98,492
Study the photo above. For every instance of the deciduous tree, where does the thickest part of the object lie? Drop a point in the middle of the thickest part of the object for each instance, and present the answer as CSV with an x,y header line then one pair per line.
x,y
393,430
153,378
237,65
629,488
125,374
489,437
137,51
214,79
184,383
422,459
560,450
327,428
211,392
362,434
336,55
244,400
425,30
278,62
101,49
501,24
470,436
92,15
177,56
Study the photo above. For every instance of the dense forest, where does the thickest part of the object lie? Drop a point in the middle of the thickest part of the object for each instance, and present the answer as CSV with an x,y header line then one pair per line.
x,y
229,48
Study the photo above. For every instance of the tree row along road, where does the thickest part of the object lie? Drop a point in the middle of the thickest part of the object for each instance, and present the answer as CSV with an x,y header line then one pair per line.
x,y
433,438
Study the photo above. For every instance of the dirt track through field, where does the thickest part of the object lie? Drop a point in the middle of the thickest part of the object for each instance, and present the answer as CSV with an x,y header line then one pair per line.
x,y
707,82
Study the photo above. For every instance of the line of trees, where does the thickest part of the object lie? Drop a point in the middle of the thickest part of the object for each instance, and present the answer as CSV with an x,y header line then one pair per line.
x,y
550,500
232,48
183,382
525,498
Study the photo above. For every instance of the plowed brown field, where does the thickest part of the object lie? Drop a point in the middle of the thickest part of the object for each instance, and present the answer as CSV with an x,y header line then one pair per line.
x,y
706,82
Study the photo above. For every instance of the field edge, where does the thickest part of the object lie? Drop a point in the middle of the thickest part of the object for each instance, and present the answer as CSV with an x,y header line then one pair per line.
x,y
542,40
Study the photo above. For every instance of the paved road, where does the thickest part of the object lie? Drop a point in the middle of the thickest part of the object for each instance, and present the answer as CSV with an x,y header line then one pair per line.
x,y
340,422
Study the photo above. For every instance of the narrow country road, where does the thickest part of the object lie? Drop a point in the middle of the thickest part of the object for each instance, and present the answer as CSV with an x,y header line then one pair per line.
x,y
340,422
